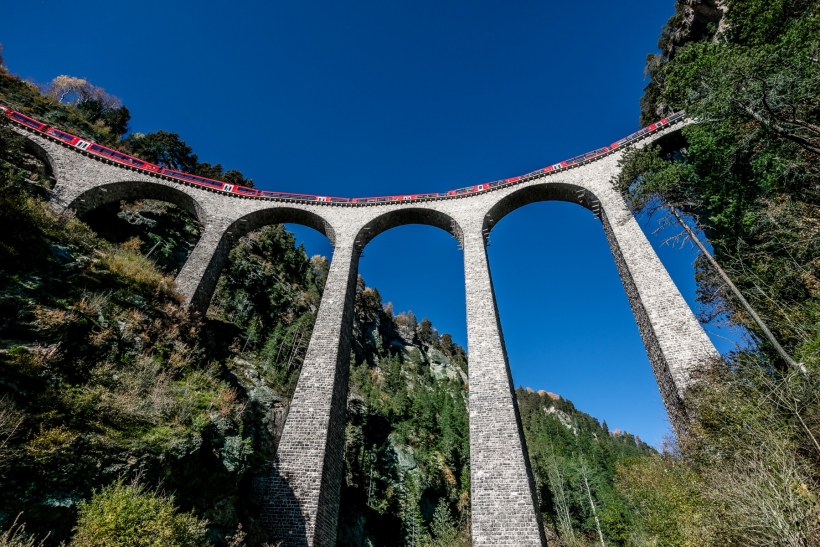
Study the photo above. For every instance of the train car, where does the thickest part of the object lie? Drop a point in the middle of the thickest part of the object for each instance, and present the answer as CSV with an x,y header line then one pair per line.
x,y
301,197
596,153
287,195
244,191
211,183
201,181
468,190
388,199
497,183
375,199
582,158
415,196
119,157
67,138
626,140
648,129
379,199
25,120
72,140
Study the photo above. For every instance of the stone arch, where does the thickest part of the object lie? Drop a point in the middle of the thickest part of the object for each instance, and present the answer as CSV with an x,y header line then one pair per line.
x,y
404,216
127,190
552,191
198,278
282,215
674,341
34,148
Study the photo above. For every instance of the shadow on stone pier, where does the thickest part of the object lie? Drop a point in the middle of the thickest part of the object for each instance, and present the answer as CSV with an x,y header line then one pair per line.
x,y
280,511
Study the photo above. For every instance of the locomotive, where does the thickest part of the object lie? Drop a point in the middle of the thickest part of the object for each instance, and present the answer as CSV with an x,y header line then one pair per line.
x,y
136,163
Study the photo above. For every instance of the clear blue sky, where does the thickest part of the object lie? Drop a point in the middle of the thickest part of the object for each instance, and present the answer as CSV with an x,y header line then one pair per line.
x,y
369,98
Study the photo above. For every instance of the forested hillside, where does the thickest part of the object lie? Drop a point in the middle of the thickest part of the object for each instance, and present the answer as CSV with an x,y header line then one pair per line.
x,y
123,418
747,176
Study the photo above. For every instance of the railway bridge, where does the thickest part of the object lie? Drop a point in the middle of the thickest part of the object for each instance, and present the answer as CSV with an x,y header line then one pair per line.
x,y
301,500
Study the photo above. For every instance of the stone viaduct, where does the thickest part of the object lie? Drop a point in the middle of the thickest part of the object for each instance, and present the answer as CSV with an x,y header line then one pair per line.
x,y
301,502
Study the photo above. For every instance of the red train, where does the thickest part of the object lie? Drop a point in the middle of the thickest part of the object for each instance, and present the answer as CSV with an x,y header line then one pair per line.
x,y
136,163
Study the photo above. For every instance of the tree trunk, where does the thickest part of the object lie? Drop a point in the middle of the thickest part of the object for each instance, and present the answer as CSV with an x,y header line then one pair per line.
x,y
746,306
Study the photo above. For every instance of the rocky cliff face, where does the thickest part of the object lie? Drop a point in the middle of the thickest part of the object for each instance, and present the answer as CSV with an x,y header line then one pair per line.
x,y
694,20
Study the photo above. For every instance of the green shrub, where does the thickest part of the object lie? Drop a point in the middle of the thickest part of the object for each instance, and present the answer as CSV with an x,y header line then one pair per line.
x,y
124,515
664,498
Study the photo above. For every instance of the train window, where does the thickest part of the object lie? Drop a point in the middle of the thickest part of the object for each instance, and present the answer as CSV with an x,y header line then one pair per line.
x,y
27,121
117,155
60,135
191,178
101,150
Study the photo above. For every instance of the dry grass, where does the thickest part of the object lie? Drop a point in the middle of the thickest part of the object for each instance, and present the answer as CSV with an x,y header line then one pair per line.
x,y
16,536
10,421
136,271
